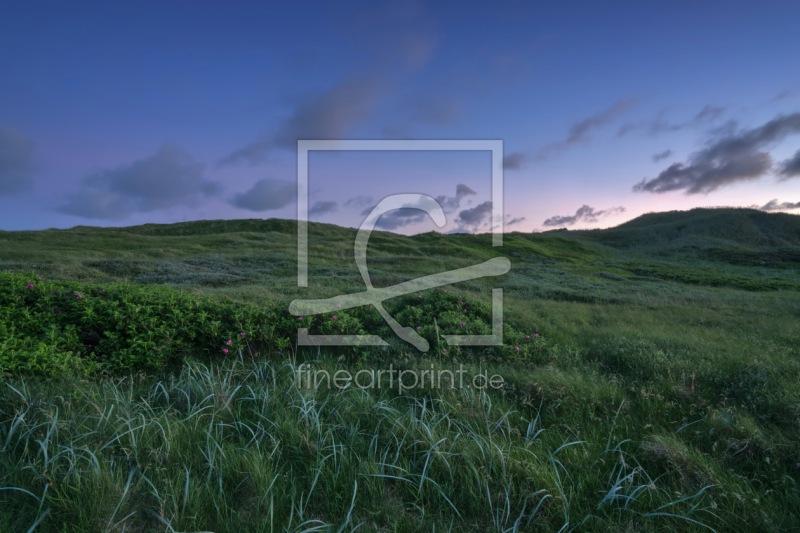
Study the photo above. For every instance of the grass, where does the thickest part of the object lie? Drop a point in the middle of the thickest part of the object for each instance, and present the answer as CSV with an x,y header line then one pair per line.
x,y
662,393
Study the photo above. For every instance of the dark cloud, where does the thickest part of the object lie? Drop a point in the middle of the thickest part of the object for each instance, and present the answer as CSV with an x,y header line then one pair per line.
x,y
791,167
332,115
322,208
731,158
358,201
405,216
662,155
266,195
579,132
475,216
774,205
584,214
16,167
450,204
514,161
660,124
409,215
169,178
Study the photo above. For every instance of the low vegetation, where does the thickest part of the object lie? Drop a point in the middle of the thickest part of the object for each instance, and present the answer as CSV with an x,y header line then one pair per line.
x,y
649,381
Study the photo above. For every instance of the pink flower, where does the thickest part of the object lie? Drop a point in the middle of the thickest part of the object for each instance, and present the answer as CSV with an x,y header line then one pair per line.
x,y
419,327
197,303
462,323
334,317
78,297
300,318
535,334
224,350
41,278
30,285
228,342
52,292
339,306
242,334
465,310
454,327
527,336
58,310
517,348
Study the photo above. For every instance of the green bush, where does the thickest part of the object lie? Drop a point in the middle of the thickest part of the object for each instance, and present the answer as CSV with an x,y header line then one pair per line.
x,y
48,327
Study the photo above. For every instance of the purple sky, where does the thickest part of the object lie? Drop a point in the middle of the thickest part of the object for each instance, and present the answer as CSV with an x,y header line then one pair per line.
x,y
126,113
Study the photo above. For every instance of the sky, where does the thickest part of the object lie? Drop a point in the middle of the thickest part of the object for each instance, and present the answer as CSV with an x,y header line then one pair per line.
x,y
124,113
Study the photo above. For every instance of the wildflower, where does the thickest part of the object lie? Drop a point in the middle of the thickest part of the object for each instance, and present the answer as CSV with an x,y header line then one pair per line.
x,y
228,342
52,292
300,318
58,310
101,291
454,327
242,334
339,305
516,348
41,278
334,317
462,323
224,350
527,336
197,303
30,285
465,310
535,334
78,297
419,327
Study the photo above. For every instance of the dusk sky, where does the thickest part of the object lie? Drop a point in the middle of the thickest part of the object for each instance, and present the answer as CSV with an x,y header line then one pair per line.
x,y
116,114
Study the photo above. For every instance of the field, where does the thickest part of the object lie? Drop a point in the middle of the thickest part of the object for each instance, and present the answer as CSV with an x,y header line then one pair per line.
x,y
650,381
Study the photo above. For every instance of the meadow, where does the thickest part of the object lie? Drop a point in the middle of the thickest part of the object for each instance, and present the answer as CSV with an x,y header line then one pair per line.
x,y
650,381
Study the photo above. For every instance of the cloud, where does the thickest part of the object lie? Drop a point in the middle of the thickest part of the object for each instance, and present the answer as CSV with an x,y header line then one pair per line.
x,y
514,161
474,217
331,115
322,208
584,214
662,155
409,215
781,96
791,167
514,220
450,204
774,205
579,132
659,124
16,167
266,195
358,201
167,179
731,158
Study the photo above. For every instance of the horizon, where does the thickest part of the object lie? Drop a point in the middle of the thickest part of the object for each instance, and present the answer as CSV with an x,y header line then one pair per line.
x,y
191,112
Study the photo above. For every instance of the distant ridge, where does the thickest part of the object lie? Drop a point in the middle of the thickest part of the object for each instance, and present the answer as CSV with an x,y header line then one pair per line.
x,y
702,228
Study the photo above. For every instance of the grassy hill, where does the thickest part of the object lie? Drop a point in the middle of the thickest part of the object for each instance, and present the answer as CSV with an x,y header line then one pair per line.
x,y
649,381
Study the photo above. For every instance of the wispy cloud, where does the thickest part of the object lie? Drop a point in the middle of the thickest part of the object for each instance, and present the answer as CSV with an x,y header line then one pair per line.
x,y
775,205
662,155
583,214
580,132
322,208
791,167
660,124
729,159
514,161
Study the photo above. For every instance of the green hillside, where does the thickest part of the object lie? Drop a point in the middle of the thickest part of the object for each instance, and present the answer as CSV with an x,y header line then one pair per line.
x,y
649,380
